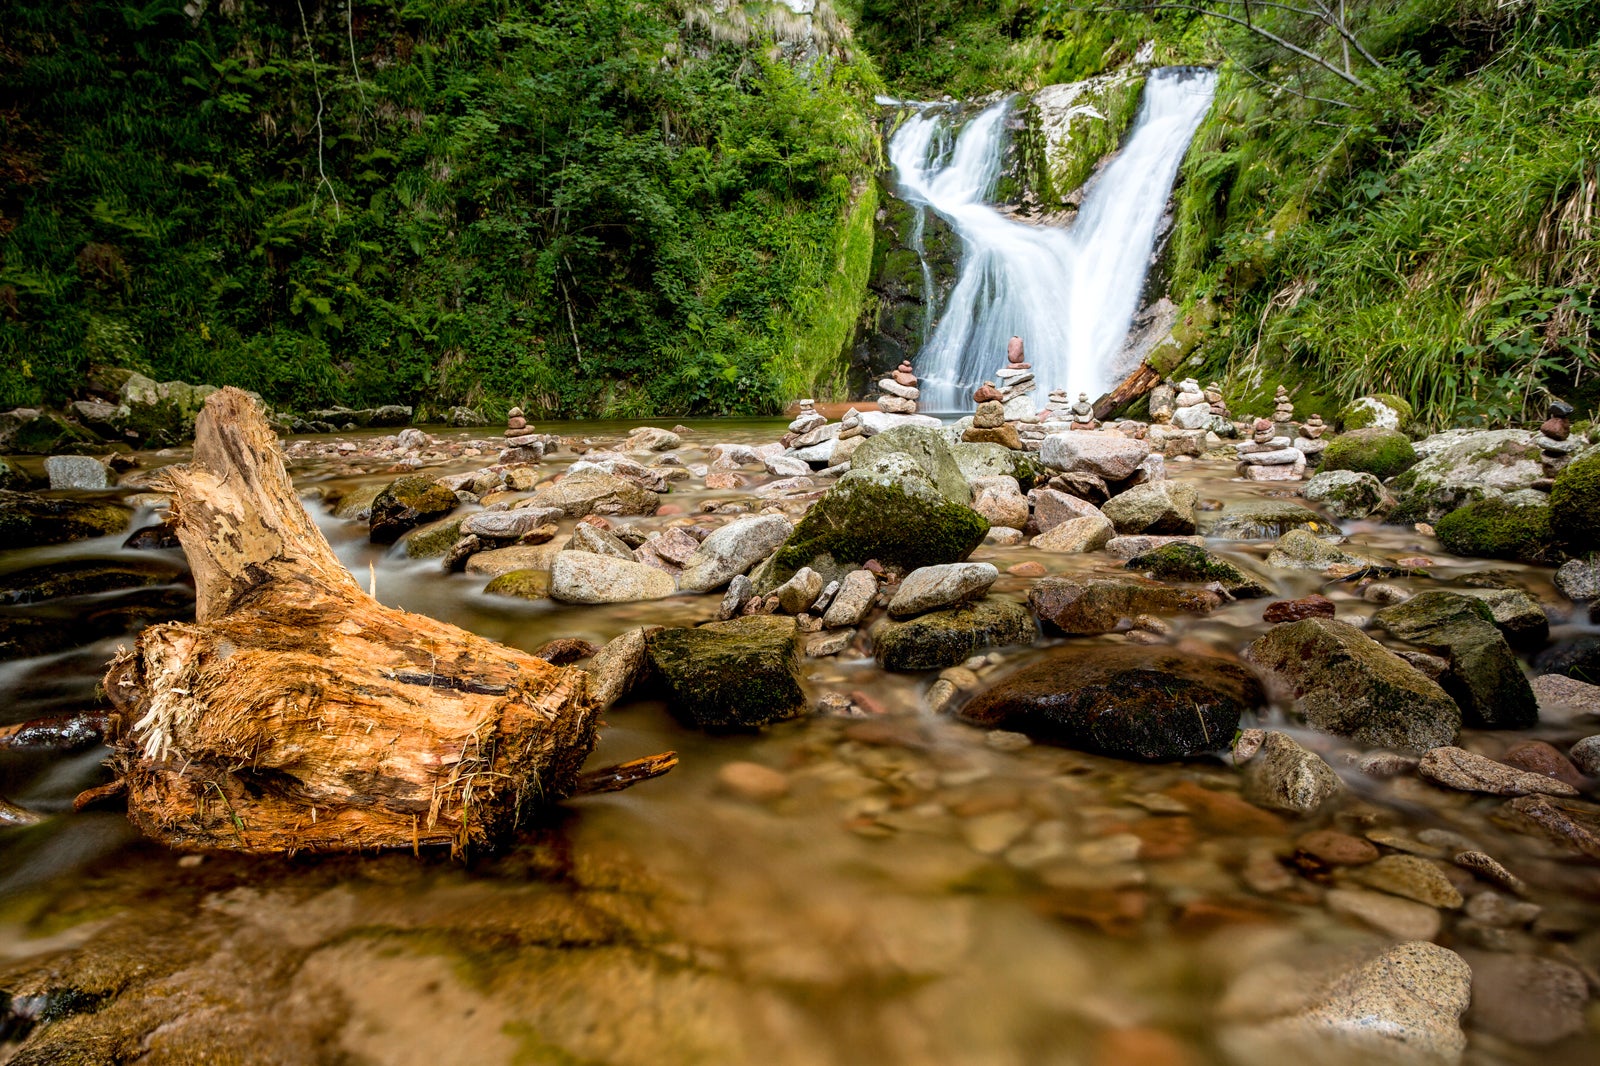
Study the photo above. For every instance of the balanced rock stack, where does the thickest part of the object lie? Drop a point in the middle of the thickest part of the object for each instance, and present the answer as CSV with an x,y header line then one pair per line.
x,y
1213,394
1283,412
1267,456
1081,413
1555,443
517,426
989,424
1017,384
812,438
1310,439
899,392
1192,411
807,420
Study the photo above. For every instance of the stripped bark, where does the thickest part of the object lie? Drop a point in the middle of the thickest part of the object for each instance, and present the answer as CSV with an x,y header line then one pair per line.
x,y
1144,378
299,713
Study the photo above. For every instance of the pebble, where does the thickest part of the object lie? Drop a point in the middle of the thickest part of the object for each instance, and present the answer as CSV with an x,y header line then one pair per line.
x,y
1385,764
1586,753
1399,918
1485,866
1388,838
1461,769
1385,594
991,834
1005,740
1334,848
752,781
1538,757
1287,777
1028,569
1249,742
1411,877
1525,999
1493,909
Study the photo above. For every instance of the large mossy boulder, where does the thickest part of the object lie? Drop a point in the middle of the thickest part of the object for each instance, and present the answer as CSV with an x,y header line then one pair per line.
x,y
1193,564
927,447
29,431
1484,678
950,636
978,460
1347,493
1345,683
159,413
1575,506
1382,410
1086,606
1267,520
1163,508
404,504
890,510
1461,466
1126,701
740,674
28,520
1383,453
1500,527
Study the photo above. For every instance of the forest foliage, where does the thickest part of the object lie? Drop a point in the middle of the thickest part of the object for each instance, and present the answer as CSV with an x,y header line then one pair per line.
x,y
582,206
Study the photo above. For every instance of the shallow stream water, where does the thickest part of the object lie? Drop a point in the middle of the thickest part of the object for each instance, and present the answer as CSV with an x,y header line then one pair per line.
x,y
920,892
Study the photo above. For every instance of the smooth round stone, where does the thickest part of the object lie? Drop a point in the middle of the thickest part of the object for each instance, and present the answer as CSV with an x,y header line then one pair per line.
x,y
1399,918
752,781
1413,878
1337,849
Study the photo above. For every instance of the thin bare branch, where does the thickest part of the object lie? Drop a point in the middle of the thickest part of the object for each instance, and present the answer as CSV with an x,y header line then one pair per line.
x,y
1283,88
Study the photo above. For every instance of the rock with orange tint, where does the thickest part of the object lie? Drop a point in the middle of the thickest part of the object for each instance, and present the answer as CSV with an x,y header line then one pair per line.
x,y
1139,1046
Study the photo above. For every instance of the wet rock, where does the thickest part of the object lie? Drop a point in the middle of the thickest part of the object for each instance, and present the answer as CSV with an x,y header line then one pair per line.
x,y
12,477
799,592
1186,562
1088,606
667,550
163,536
1538,757
83,577
1487,867
929,588
30,431
406,503
433,540
28,520
1461,769
737,674
857,591
1579,579
508,525
1348,684
1402,919
1380,452
1165,508
1485,677
1312,606
1463,466
1127,702
1524,999
1051,507
1133,546
595,492
950,636
891,511
1300,549
1412,878
587,578
590,538
1562,698
1333,848
1513,526
1518,615
1284,776
1000,500
832,642
980,460
24,634
927,448
619,666
1076,535
520,584
1107,455
651,439
1267,520
1577,657
1347,493
1586,754
76,473
753,782
733,549
1570,823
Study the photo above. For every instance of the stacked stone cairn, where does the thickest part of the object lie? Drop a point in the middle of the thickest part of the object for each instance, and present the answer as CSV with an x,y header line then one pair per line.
x,y
524,444
1310,439
1555,443
899,392
989,424
1269,456
1213,394
1017,384
517,426
807,420
1081,414
1283,413
1191,409
814,440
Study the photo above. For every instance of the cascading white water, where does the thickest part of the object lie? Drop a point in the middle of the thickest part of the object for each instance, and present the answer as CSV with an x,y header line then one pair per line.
x,y
1070,294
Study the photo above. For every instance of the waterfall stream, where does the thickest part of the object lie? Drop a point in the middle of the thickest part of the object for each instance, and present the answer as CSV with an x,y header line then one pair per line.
x,y
1071,293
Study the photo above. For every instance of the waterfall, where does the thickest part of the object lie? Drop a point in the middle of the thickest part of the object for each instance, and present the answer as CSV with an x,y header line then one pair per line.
x,y
1070,294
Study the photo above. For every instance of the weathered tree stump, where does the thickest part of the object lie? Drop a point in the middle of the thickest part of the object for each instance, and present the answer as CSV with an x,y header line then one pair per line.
x,y
297,713
1144,378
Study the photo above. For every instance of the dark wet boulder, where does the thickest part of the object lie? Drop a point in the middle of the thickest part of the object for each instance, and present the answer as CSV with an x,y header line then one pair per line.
x,y
1518,615
12,477
30,431
1160,507
1124,701
1576,657
950,636
406,503
28,520
738,674
1345,683
163,536
1485,677
1085,606
891,511
71,622
84,577
1267,520
1191,563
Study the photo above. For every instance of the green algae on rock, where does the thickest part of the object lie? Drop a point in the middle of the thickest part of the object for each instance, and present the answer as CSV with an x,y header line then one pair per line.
x,y
84,577
521,584
1499,528
1484,678
1575,506
28,520
405,503
434,539
1081,607
1382,453
1128,702
739,674
1347,684
1192,563
951,636
1267,520
925,445
1383,410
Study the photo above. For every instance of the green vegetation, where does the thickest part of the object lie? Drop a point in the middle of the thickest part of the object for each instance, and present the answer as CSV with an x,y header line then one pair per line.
x,y
584,206
1575,506
1380,452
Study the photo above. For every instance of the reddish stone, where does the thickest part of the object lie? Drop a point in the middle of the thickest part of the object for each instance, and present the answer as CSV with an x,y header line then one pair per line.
x,y
985,392
1165,837
1537,757
1014,350
1140,1047
867,703
669,509
597,521
1556,428
1205,915
1028,569
1113,912
1312,606
1334,848
1226,811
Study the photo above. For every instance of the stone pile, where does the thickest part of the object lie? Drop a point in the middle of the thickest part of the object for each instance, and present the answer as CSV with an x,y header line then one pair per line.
x,y
1017,384
1283,412
517,426
989,426
1555,443
1269,456
899,392
1081,414
807,420
1191,409
1213,394
1310,440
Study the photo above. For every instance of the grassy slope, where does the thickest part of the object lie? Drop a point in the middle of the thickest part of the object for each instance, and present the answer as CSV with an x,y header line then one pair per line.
x,y
583,206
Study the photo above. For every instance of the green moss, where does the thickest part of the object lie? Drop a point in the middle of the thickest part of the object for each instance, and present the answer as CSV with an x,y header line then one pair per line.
x,y
1192,563
1383,453
522,584
1575,506
28,520
434,539
731,675
825,317
946,638
1494,529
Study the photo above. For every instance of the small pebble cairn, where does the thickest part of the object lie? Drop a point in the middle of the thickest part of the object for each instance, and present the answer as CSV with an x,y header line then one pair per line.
x,y
1269,456
899,392
517,426
1191,408
1081,414
808,419
1555,443
1213,394
1310,439
1283,413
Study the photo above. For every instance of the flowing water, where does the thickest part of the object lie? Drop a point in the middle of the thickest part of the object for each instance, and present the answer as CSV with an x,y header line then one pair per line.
x,y
1070,294
919,893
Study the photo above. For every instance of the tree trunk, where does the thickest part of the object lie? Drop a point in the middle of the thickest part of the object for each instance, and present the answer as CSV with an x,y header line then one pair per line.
x,y
299,713
1144,378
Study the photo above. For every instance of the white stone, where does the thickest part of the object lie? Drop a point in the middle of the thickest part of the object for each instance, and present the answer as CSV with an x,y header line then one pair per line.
x,y
586,578
732,550
77,472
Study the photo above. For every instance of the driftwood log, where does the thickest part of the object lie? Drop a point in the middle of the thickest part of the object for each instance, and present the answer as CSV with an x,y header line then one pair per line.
x,y
1144,378
298,713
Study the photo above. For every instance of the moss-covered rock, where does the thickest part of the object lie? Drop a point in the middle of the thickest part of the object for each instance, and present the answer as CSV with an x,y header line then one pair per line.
x,y
1087,606
28,431
1382,410
1498,528
84,577
434,539
28,519
1300,549
730,675
977,460
521,584
356,505
1459,467
1382,453
1347,684
891,511
927,447
1485,677
1518,615
1575,506
1267,520
1192,563
1347,493
405,503
1127,702
948,637
12,477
